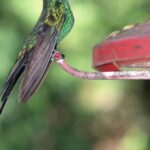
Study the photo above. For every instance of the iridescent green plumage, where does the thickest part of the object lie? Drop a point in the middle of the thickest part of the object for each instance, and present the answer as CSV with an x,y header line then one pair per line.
x,y
55,22
65,24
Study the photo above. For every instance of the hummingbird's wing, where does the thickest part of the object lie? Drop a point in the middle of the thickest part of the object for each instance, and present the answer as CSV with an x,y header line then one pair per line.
x,y
33,64
38,63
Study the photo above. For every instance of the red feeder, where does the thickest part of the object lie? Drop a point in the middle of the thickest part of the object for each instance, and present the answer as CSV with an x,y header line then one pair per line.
x,y
128,49
123,55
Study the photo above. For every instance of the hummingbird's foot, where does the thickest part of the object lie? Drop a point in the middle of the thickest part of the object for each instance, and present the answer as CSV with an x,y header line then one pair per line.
x,y
57,55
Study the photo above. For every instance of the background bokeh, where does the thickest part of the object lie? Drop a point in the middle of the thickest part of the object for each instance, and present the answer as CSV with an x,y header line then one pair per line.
x,y
69,113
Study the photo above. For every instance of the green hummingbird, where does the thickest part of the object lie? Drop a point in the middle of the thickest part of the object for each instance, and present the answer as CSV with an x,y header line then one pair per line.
x,y
55,22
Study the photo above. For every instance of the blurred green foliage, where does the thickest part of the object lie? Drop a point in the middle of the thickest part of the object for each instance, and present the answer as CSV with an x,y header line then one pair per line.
x,y
68,113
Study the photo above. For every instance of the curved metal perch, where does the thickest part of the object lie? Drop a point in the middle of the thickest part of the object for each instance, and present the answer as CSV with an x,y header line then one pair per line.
x,y
118,75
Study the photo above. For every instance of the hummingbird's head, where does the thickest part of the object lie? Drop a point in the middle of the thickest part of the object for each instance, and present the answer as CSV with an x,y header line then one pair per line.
x,y
53,2
64,2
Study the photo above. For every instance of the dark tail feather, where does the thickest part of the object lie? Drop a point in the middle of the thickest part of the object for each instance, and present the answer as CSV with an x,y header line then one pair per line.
x,y
17,71
9,86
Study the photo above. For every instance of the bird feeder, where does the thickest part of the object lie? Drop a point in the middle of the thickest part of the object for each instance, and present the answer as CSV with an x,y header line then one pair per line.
x,y
124,54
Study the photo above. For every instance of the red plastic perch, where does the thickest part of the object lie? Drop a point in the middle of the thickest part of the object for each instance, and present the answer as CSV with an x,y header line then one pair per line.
x,y
124,54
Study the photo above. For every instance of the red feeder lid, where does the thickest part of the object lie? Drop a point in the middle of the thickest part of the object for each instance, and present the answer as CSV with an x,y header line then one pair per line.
x,y
129,47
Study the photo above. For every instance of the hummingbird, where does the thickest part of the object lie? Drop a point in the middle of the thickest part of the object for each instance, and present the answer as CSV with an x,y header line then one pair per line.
x,y
32,63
